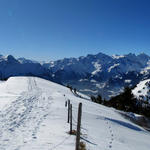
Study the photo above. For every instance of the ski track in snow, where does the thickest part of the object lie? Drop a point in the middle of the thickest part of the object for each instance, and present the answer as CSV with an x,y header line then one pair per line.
x,y
19,119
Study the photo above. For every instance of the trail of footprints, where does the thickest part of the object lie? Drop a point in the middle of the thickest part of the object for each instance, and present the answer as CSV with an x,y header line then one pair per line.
x,y
111,134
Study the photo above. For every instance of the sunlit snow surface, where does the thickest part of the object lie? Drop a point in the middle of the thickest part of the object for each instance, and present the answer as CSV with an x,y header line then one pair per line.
x,y
142,90
33,116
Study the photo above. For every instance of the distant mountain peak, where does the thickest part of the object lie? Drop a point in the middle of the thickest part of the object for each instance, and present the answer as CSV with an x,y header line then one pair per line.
x,y
24,60
130,55
11,59
117,56
143,55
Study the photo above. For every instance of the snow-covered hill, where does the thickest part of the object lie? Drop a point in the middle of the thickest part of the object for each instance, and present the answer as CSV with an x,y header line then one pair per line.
x,y
142,90
33,116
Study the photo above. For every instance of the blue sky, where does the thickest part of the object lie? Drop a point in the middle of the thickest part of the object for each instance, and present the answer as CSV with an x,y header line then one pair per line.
x,y
54,29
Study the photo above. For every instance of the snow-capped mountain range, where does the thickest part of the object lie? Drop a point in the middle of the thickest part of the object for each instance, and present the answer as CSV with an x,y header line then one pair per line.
x,y
9,66
92,74
100,73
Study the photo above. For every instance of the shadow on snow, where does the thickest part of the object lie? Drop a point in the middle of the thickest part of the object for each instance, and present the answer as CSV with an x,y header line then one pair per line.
x,y
125,124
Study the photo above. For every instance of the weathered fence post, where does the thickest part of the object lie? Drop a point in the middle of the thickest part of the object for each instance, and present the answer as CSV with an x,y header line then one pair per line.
x,y
70,118
68,110
65,103
78,126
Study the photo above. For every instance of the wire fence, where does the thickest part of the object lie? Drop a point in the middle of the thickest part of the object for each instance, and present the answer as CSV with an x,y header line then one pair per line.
x,y
76,124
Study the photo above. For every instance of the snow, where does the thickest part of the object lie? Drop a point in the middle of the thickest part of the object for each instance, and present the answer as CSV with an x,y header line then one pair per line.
x,y
101,85
127,81
7,95
34,117
82,80
88,90
94,81
112,67
133,115
117,56
142,89
97,68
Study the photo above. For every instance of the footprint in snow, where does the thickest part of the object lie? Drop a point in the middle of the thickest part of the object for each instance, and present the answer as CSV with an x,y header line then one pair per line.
x,y
111,133
6,140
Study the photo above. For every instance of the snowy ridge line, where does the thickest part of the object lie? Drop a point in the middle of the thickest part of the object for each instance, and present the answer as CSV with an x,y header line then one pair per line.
x,y
77,94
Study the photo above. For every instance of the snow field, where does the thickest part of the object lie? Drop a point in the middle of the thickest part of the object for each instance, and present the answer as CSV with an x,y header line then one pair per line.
x,y
34,117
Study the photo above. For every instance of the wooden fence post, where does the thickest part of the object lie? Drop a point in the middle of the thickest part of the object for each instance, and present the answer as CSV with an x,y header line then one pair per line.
x,y
68,110
70,118
65,103
78,126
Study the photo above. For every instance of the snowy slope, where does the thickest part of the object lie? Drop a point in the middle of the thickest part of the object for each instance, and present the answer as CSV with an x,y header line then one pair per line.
x,y
142,90
33,117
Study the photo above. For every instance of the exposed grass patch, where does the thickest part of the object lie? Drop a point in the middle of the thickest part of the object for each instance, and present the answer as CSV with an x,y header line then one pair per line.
x,y
74,132
82,146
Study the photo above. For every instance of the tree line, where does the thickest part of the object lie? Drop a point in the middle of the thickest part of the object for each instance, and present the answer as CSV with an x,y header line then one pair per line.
x,y
125,101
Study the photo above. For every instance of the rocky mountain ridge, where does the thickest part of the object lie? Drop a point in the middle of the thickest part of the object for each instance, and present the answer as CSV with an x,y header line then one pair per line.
x,y
93,74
